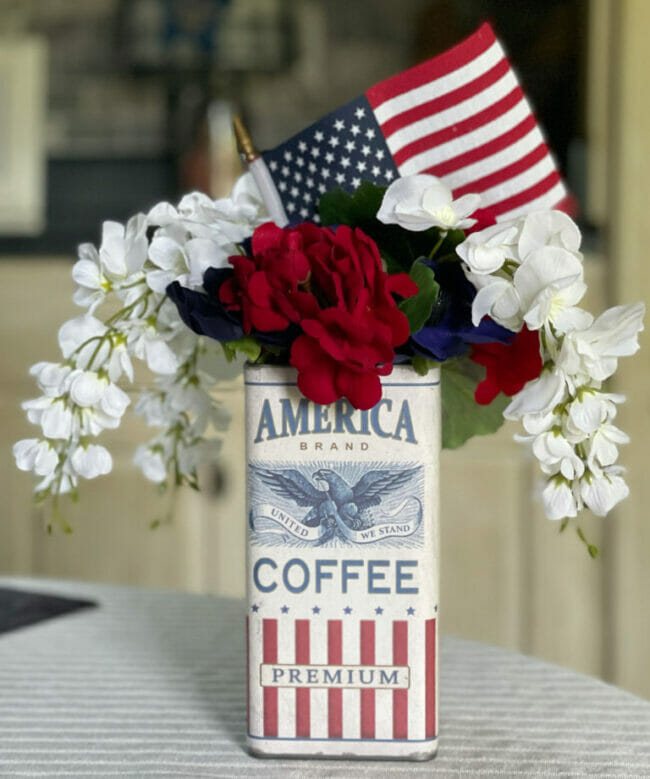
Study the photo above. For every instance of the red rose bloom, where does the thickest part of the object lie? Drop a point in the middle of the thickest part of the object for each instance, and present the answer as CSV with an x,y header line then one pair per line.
x,y
507,366
266,288
349,341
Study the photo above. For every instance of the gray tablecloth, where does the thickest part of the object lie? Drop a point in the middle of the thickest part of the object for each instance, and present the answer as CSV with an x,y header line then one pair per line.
x,y
152,684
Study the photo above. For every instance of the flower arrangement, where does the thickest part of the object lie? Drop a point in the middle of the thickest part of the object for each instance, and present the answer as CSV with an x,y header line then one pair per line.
x,y
403,274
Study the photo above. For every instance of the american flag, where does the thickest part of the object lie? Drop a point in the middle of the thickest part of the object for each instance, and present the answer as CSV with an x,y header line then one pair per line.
x,y
351,704
461,116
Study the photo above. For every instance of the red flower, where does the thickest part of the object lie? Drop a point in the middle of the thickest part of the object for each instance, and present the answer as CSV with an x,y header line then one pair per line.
x,y
266,287
350,341
507,366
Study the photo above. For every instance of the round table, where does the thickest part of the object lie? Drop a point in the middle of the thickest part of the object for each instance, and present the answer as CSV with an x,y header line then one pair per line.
x,y
152,683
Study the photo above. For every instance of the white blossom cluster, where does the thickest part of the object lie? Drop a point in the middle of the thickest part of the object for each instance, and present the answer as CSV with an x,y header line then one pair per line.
x,y
130,271
530,271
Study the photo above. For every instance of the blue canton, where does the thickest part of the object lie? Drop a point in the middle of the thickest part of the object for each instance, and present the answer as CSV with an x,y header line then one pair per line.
x,y
341,150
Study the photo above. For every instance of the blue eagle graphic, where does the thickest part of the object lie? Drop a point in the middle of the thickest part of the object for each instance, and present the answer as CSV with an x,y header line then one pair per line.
x,y
337,497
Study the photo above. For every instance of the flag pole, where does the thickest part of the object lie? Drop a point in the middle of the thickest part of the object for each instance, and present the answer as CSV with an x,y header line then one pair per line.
x,y
260,173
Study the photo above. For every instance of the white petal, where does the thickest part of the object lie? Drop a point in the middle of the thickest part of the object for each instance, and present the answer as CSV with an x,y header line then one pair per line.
x,y
602,493
204,254
167,254
538,396
91,461
159,357
548,228
114,401
87,388
151,463
56,421
558,500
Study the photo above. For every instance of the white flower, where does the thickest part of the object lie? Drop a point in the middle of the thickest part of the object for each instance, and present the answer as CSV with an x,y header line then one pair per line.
x,y
92,283
548,228
555,454
485,251
590,409
603,446
91,461
191,456
497,298
549,284
422,201
54,415
37,455
559,501
123,250
80,338
51,377
151,462
539,396
87,387
592,353
183,263
146,344
601,492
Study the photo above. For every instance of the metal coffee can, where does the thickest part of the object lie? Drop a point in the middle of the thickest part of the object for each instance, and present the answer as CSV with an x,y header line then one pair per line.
x,y
343,560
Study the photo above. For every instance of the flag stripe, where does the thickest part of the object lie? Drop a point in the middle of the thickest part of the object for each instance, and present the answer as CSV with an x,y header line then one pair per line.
x,y
367,696
444,102
445,72
501,175
430,678
270,655
455,131
400,697
478,162
526,197
554,197
303,715
476,137
457,119
335,697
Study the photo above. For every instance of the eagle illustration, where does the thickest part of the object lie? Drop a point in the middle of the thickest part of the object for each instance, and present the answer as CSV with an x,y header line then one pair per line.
x,y
337,497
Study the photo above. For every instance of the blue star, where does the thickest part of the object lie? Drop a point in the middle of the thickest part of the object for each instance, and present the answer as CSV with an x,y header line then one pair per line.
x,y
255,607
410,611
316,609
379,610
285,609
348,610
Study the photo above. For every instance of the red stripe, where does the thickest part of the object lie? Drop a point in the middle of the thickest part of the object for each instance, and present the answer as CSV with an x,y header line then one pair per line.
x,y
525,196
448,100
400,697
367,696
485,150
504,174
302,693
270,655
430,678
468,125
439,66
335,697
248,676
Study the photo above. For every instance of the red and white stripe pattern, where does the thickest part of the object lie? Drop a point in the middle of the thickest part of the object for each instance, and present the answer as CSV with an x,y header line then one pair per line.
x,y
319,712
463,117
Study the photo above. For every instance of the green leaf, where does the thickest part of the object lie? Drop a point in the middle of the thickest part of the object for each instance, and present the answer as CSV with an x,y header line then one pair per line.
x,y
421,365
418,307
247,346
462,416
340,207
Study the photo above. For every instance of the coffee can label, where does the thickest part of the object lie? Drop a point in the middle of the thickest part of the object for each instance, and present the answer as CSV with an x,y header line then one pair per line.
x,y
342,569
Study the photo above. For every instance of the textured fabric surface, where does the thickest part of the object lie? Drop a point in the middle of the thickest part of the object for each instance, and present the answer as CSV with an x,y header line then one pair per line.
x,y
153,684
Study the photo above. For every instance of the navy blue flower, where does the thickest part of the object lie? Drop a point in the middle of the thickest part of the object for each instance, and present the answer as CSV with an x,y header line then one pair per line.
x,y
205,314
449,331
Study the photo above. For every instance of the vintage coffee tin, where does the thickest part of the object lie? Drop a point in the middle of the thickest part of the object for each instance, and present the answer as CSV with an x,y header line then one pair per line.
x,y
343,558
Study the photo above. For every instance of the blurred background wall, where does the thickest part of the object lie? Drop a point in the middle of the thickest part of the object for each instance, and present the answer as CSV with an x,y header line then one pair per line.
x,y
109,106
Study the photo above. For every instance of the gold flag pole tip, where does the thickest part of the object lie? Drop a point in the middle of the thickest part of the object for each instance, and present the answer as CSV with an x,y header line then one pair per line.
x,y
244,140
